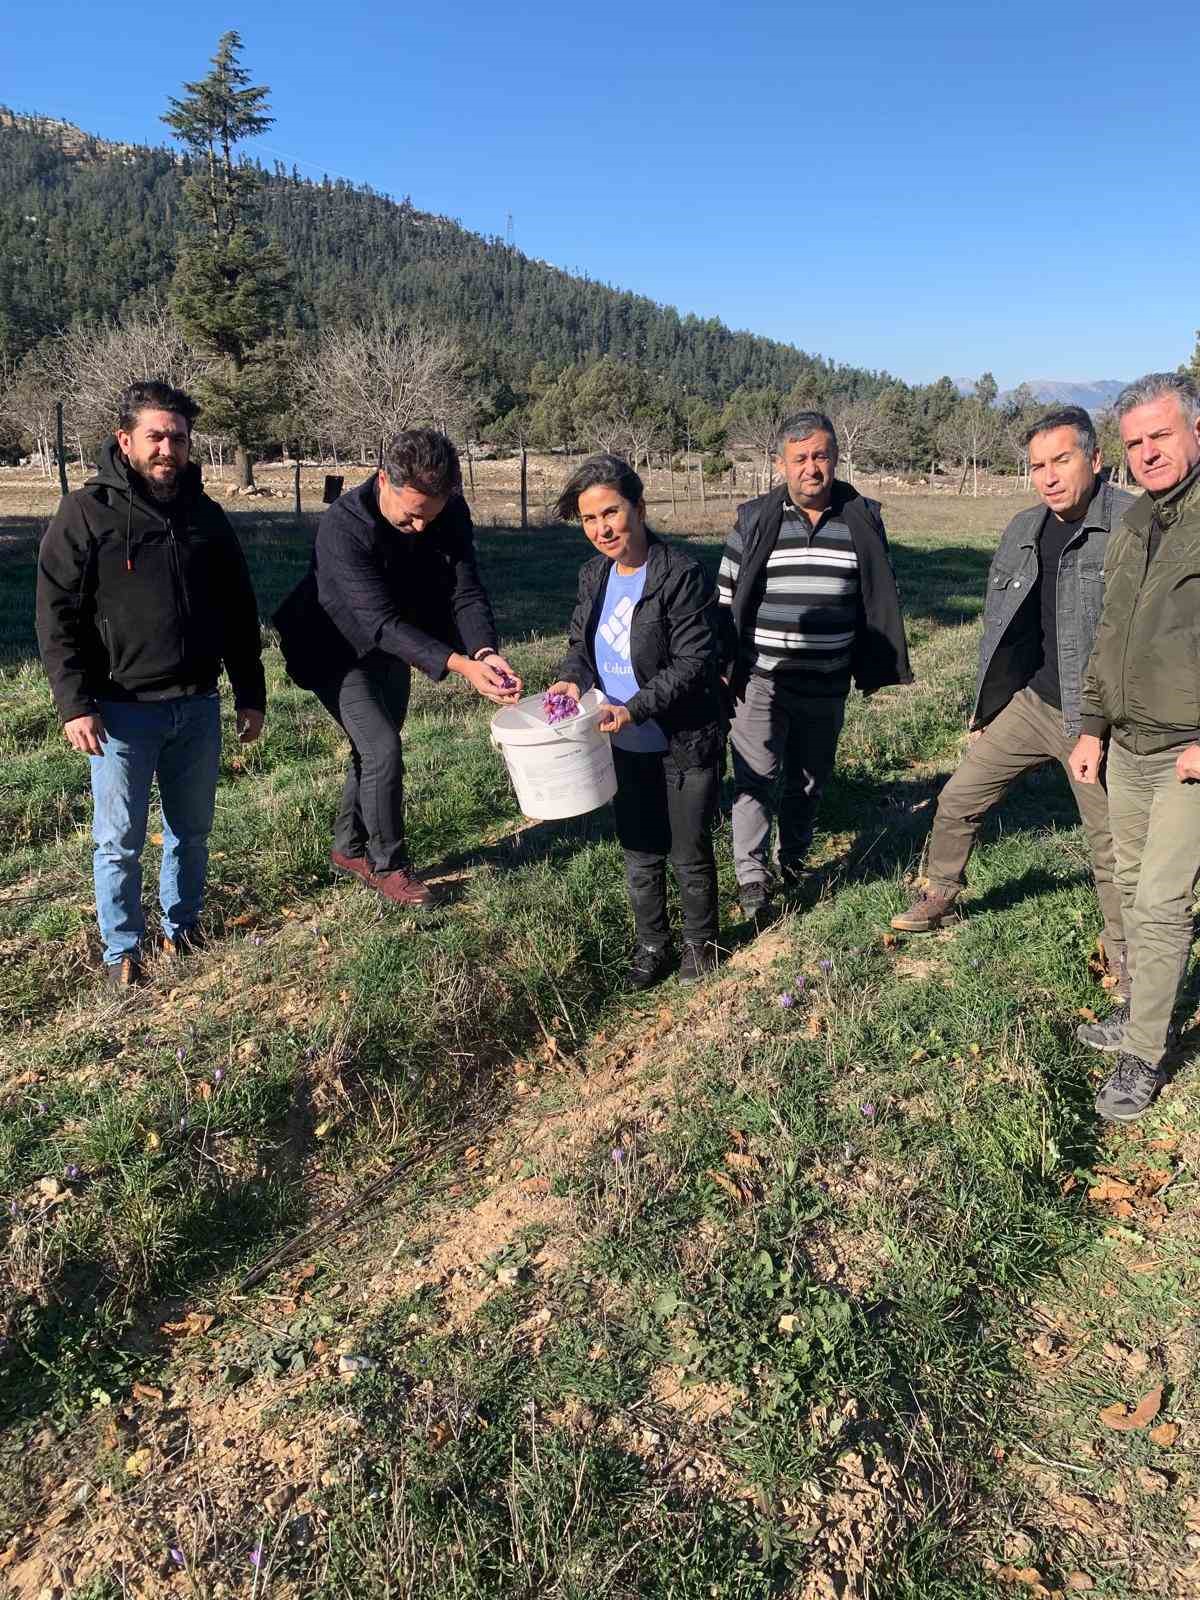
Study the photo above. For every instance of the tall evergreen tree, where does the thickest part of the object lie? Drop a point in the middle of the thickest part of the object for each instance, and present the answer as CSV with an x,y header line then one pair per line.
x,y
230,288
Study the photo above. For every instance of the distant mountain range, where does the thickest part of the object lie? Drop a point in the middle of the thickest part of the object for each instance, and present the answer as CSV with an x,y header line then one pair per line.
x,y
1097,395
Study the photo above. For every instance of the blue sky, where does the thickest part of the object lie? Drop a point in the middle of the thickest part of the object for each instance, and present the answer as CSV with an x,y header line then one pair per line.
x,y
926,188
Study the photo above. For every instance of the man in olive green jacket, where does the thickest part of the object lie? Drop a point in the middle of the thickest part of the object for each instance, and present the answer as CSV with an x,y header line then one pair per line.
x,y
1141,693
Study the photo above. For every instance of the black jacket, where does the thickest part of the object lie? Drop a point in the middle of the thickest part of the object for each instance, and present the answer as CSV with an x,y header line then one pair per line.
x,y
370,587
880,655
672,649
138,601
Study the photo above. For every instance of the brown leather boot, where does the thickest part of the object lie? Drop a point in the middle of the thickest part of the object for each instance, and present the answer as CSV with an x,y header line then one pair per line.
x,y
928,911
188,942
403,889
357,866
123,974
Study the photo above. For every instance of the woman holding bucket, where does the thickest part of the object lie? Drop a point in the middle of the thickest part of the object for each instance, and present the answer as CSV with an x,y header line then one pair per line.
x,y
643,633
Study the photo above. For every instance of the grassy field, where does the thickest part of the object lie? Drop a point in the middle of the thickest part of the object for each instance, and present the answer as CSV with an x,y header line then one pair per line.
x,y
698,1294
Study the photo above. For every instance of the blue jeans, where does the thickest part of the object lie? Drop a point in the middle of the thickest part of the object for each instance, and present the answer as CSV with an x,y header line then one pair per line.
x,y
179,742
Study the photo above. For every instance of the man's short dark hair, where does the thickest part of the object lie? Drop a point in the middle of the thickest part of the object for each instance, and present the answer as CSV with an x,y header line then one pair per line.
x,y
148,394
424,460
607,471
1066,417
802,425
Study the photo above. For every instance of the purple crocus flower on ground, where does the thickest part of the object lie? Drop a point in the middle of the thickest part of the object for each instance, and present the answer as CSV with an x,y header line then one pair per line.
x,y
826,966
618,1156
868,1110
218,1074
786,1000
256,1555
73,1172
177,1556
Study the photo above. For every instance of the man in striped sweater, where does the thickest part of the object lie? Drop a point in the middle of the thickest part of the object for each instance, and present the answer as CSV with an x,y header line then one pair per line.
x,y
808,602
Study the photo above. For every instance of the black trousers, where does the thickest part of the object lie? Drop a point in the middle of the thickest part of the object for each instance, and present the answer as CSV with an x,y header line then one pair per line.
x,y
665,812
370,703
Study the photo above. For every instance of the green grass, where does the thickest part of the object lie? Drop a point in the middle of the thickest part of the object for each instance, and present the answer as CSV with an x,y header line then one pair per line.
x,y
834,1229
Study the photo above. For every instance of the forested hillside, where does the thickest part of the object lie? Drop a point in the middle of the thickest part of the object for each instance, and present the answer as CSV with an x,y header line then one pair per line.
x,y
85,226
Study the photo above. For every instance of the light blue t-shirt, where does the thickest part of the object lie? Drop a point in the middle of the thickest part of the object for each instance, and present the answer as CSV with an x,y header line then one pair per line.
x,y
613,666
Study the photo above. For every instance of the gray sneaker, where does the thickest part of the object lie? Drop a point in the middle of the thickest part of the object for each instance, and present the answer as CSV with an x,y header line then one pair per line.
x,y
1107,1032
1129,1090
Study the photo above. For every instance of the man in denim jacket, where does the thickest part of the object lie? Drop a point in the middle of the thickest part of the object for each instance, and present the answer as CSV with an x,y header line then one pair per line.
x,y
1044,595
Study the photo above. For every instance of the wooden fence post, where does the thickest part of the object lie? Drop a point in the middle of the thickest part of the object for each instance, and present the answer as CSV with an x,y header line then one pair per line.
x,y
61,445
297,490
524,488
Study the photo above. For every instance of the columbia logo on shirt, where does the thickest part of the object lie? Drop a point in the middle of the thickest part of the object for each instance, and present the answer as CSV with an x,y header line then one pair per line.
x,y
615,628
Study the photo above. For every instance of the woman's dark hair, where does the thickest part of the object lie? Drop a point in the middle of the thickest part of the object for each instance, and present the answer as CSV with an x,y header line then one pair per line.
x,y
425,460
604,470
148,394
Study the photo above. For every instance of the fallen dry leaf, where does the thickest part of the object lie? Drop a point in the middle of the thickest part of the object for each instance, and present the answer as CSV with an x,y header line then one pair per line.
x,y
727,1184
534,1186
148,1391
137,1463
1164,1435
1029,1576
738,1162
1153,1482
815,1025
193,1322
787,1323
1122,1420
1077,1582
1111,1189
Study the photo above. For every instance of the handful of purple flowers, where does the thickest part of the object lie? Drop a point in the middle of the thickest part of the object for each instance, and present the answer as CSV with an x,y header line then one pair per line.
x,y
507,681
559,707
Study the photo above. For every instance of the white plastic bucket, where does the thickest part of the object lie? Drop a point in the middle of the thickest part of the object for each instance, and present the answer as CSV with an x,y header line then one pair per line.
x,y
558,769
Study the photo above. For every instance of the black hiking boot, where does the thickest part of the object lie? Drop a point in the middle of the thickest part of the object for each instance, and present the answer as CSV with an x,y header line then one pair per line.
x,y
650,965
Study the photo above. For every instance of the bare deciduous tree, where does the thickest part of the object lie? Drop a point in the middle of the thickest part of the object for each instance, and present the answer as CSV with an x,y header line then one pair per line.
x,y
857,422
371,380
88,366
753,418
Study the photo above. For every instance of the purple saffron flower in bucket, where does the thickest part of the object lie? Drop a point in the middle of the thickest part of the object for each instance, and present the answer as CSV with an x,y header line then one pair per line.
x,y
559,707
786,1000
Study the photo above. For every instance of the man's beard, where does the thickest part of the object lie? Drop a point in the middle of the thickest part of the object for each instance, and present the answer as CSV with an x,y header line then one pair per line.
x,y
157,489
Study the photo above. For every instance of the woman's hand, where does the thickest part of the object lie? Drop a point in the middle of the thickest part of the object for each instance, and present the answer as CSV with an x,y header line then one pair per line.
x,y
563,687
613,718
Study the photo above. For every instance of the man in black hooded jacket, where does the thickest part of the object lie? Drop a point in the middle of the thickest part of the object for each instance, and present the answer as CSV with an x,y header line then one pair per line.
x,y
142,596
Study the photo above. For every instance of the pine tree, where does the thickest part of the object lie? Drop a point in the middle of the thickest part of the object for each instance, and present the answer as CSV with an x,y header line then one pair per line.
x,y
230,289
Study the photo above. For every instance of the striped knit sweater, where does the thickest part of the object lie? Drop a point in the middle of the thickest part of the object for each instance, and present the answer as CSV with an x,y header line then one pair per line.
x,y
807,616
